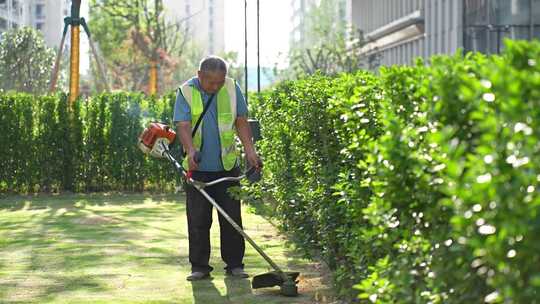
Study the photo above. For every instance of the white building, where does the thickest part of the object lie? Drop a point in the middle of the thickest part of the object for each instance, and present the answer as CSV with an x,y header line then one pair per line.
x,y
13,14
205,20
400,30
44,15
300,9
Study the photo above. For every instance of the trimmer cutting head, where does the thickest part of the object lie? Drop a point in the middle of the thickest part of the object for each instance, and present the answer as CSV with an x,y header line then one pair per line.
x,y
275,278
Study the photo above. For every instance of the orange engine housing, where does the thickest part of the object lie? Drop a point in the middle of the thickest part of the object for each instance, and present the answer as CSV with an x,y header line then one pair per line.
x,y
154,131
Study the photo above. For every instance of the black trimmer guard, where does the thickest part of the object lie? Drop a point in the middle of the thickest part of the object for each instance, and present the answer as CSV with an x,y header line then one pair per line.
x,y
271,279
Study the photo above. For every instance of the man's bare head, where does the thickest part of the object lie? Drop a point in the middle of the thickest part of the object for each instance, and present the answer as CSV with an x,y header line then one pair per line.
x,y
212,72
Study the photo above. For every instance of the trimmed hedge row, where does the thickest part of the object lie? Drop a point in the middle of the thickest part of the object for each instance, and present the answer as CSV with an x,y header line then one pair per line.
x,y
418,185
46,147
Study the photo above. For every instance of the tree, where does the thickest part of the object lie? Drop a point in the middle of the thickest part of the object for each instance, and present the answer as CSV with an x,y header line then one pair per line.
x,y
25,61
236,68
133,35
328,45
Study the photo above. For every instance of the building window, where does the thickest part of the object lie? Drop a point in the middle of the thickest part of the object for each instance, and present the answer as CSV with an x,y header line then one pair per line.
x,y
40,26
40,11
514,12
536,18
3,24
15,7
489,22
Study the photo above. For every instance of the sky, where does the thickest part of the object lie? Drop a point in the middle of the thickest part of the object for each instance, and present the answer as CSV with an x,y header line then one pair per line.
x,y
275,26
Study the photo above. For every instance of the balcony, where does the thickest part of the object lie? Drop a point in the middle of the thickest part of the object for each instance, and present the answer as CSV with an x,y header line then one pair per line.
x,y
396,32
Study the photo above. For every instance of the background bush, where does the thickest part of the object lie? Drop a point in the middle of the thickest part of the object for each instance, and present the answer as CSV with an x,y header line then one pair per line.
x,y
47,147
417,185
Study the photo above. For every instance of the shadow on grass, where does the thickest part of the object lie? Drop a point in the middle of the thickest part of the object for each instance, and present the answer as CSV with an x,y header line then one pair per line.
x,y
43,201
206,292
61,238
237,288
61,284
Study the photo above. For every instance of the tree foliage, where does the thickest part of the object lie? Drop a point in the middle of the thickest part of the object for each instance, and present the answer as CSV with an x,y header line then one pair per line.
x,y
416,185
132,35
328,45
25,61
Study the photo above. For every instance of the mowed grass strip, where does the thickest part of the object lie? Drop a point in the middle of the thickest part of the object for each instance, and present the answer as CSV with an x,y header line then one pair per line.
x,y
129,248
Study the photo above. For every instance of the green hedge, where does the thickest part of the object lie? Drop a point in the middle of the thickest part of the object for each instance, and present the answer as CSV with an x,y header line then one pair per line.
x,y
46,147
417,185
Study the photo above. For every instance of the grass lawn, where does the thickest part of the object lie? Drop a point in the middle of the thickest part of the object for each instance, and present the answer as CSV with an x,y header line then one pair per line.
x,y
129,248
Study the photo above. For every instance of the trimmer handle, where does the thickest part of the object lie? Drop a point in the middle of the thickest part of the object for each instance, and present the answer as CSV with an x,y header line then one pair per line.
x,y
198,157
253,175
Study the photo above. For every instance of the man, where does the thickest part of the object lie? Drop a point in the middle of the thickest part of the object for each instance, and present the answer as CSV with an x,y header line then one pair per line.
x,y
214,138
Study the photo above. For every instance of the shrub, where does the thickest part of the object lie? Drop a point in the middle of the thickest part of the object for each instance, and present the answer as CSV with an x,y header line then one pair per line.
x,y
49,146
418,185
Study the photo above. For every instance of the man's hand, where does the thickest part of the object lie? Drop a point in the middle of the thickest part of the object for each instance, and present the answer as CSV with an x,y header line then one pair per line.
x,y
253,159
192,163
244,133
184,133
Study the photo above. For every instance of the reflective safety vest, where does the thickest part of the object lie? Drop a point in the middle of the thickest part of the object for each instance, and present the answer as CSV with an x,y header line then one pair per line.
x,y
226,110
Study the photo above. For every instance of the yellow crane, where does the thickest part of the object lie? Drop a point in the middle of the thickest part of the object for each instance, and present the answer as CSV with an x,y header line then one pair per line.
x,y
75,21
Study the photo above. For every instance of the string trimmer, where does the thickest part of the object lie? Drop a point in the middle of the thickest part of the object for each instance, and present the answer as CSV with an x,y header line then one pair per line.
x,y
155,141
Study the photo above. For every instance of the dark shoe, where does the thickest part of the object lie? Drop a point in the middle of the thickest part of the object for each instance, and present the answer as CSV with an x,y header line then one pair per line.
x,y
198,275
238,273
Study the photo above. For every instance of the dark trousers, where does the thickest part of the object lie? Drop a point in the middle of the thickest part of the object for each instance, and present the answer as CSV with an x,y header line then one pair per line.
x,y
199,216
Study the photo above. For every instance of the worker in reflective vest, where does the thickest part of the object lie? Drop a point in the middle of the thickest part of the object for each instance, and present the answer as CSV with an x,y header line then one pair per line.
x,y
225,117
